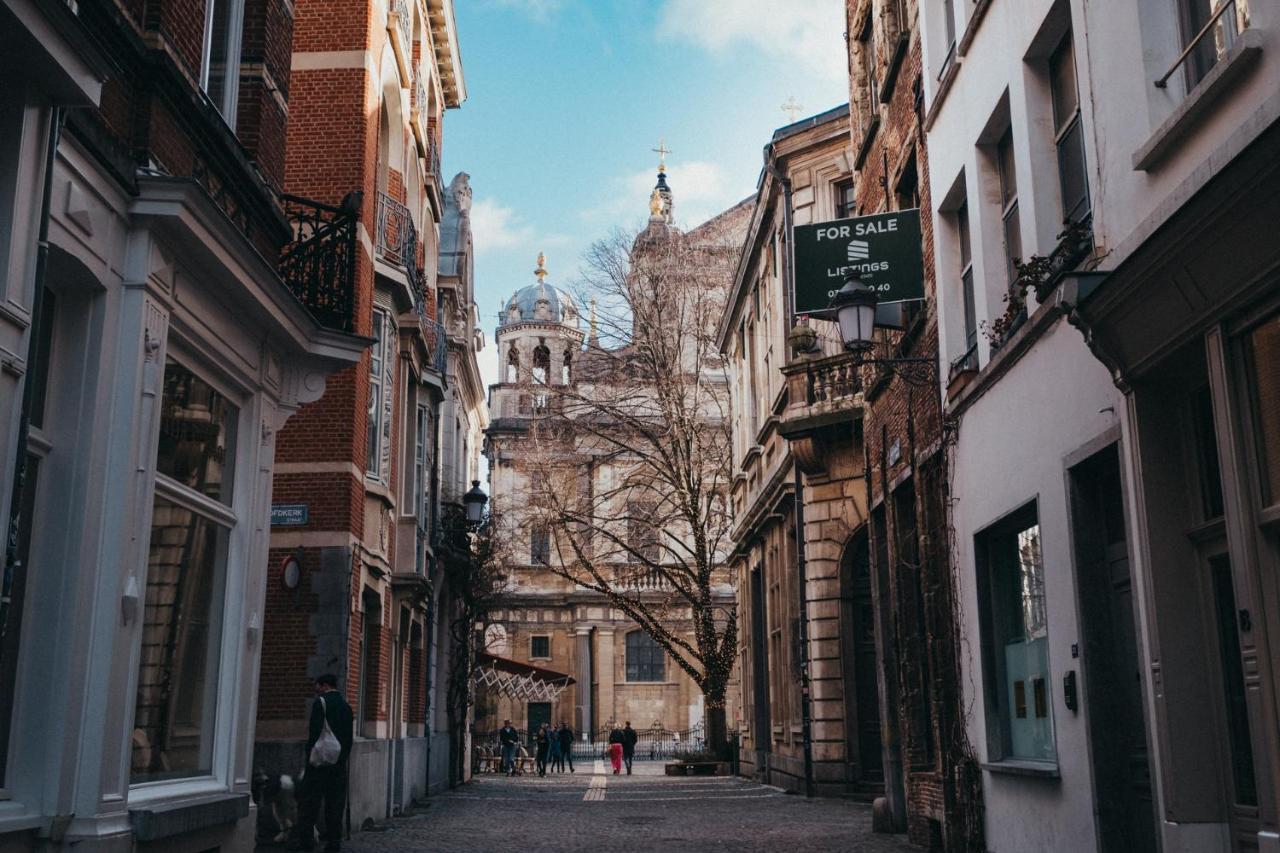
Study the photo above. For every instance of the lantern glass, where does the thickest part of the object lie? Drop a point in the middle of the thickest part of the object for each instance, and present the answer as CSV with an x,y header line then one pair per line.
x,y
857,324
474,502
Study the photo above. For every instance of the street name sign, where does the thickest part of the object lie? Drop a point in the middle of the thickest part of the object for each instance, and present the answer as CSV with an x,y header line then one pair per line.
x,y
289,515
884,248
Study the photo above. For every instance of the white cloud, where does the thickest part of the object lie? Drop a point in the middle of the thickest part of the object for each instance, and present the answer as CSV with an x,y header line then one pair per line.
x,y
494,226
804,31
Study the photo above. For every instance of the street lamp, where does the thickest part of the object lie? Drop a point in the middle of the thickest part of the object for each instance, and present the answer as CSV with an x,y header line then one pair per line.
x,y
854,307
474,502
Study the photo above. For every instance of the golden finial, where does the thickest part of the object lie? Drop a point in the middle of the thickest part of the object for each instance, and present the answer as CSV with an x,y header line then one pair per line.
x,y
541,271
655,202
662,151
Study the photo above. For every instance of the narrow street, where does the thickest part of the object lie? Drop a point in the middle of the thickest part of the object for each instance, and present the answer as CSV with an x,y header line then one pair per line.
x,y
643,812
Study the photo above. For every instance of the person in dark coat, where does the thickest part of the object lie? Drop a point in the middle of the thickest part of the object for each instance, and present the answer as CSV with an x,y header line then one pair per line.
x,y
566,743
543,743
629,738
509,740
325,784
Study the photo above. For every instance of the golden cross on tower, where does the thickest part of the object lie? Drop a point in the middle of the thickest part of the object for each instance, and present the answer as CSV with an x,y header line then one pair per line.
x,y
541,271
792,107
662,151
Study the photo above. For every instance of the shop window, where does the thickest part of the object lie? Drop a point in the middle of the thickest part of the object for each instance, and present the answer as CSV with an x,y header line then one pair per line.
x,y
1015,639
646,660
182,621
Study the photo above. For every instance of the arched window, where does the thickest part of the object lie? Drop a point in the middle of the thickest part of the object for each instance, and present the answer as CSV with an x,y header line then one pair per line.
x,y
566,372
513,364
541,364
646,660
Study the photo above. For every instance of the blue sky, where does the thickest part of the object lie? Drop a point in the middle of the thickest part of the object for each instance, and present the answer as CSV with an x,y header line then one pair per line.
x,y
567,97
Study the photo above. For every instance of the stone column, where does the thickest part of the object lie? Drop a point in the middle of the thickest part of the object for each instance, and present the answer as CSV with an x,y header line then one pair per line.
x,y
582,690
604,675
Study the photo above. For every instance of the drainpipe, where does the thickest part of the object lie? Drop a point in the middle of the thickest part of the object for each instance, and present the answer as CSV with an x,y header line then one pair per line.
x,y
33,369
789,289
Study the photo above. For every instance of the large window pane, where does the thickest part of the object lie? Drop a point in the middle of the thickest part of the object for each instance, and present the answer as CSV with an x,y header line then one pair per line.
x,y
645,658
1016,640
1071,173
197,434
1263,351
181,638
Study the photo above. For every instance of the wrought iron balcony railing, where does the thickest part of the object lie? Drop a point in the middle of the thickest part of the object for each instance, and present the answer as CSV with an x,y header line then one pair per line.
x,y
319,266
437,340
398,16
397,239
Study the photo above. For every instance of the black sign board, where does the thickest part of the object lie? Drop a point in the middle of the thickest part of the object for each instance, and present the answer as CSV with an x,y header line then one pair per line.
x,y
884,248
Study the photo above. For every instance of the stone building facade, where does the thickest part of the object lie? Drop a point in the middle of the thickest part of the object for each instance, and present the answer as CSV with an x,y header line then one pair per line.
x,y
359,472
799,493
153,351
542,618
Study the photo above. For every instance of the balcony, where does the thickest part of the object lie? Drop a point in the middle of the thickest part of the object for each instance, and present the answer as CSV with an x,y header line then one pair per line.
x,y
397,239
319,266
400,28
824,398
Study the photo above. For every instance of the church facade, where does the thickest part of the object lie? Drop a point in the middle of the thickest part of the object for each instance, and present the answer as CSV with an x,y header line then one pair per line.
x,y
620,673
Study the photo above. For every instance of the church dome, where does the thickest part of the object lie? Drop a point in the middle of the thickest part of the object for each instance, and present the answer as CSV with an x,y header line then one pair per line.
x,y
539,303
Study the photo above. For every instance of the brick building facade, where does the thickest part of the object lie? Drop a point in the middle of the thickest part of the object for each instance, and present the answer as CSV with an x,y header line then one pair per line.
x,y
153,351
933,784
361,466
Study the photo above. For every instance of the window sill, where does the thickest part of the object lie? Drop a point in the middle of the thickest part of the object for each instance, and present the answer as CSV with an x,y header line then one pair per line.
x,y
179,817
971,29
895,65
1014,767
946,80
1199,101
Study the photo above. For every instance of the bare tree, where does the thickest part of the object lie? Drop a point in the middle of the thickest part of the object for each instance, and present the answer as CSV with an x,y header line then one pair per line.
x,y
475,573
630,466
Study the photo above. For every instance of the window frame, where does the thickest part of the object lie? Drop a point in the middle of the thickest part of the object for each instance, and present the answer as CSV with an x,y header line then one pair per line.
x,y
224,515
376,427
1007,172
227,104
638,671
843,198
968,298
1064,127
533,646
867,39
1000,710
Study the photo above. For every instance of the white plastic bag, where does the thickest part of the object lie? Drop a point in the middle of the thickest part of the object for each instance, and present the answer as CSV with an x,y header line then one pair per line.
x,y
327,749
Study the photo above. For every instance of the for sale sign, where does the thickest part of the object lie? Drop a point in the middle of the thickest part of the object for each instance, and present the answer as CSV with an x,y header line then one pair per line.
x,y
883,248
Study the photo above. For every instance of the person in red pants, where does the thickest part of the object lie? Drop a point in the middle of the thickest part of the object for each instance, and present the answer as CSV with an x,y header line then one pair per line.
x,y
615,750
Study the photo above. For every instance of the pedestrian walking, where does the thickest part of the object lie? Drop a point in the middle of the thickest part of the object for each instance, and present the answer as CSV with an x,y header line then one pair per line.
x,y
615,750
543,742
509,741
324,781
629,738
566,743
555,758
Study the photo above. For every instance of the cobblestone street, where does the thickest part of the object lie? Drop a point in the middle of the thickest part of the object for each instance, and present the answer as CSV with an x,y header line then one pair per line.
x,y
595,811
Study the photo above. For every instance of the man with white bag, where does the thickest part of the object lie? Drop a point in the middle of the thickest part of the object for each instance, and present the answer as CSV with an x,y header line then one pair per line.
x,y
328,745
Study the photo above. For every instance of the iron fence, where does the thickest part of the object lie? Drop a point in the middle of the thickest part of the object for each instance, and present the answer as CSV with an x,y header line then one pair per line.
x,y
652,744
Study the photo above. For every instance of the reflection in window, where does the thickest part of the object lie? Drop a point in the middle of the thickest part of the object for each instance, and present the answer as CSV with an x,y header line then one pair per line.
x,y
646,660
1015,633
181,639
197,434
